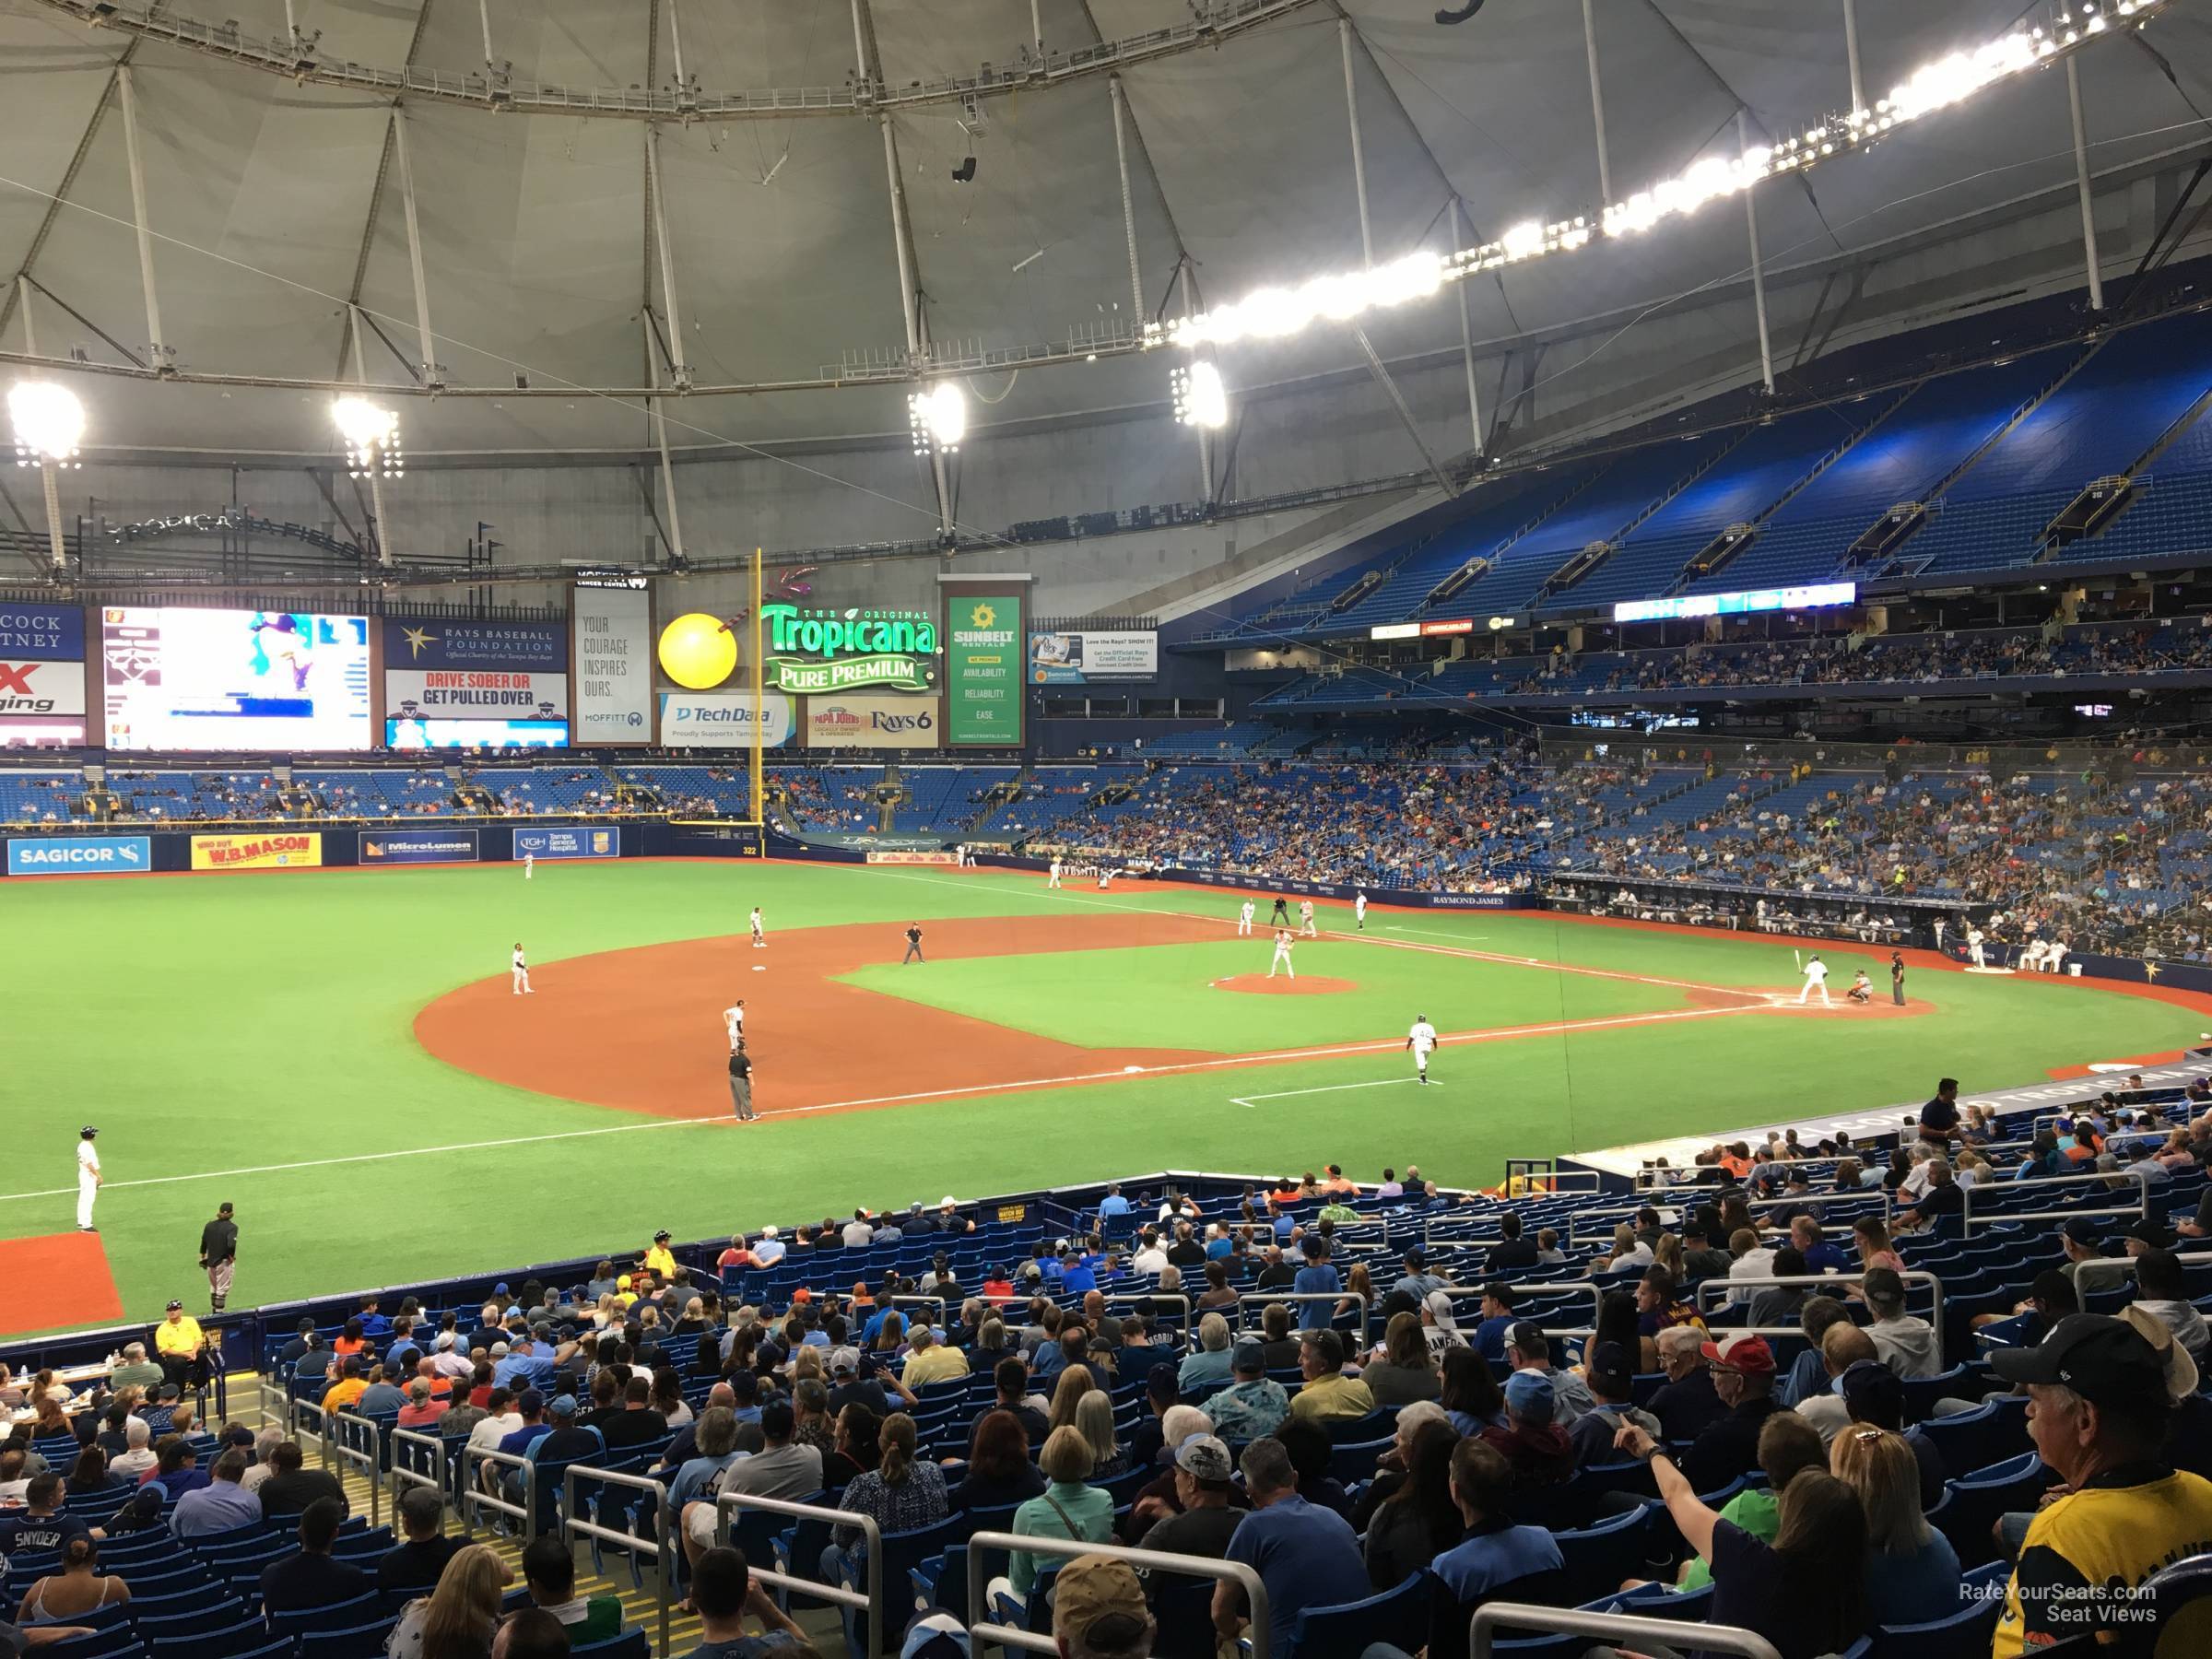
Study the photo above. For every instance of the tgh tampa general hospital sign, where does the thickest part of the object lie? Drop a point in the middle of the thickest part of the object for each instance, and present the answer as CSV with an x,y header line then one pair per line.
x,y
819,651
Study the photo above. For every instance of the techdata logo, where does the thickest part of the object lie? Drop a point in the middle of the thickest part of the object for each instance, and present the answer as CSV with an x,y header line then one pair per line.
x,y
80,855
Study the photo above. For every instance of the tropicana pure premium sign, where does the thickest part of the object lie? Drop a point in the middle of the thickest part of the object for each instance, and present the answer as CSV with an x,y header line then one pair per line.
x,y
825,650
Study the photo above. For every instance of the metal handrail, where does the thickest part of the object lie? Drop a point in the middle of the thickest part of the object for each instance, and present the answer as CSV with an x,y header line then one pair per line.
x,y
404,1476
1666,1633
869,1601
472,1457
1911,1275
985,1632
2123,1266
351,1428
2140,1207
662,1546
1331,1297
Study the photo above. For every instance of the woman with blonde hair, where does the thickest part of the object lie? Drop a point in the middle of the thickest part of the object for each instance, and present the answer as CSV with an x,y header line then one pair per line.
x,y
1094,1417
1070,1508
1667,1254
456,1619
1912,1570
1067,1393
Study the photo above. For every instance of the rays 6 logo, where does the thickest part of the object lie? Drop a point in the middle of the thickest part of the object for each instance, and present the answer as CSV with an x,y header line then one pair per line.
x,y
882,721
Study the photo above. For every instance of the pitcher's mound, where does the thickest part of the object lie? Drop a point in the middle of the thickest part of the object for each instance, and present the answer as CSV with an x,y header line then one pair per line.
x,y
1307,984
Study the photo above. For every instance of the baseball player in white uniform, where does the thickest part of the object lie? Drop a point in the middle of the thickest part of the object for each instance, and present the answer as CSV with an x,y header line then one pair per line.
x,y
87,1178
1973,946
1054,868
1815,979
1360,909
529,865
759,938
521,968
1105,876
1245,915
1282,954
733,1020
1305,920
1421,1040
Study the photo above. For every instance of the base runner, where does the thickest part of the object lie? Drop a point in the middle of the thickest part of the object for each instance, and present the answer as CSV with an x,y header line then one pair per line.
x,y
732,1021
1245,915
760,939
1421,1040
1305,920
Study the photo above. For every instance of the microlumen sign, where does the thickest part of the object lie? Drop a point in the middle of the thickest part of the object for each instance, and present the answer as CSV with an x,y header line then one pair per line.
x,y
825,651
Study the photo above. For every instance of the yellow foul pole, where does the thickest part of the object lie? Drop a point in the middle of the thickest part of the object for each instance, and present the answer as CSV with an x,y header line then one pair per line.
x,y
760,704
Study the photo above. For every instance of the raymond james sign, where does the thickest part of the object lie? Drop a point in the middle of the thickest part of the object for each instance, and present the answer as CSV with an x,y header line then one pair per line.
x,y
825,651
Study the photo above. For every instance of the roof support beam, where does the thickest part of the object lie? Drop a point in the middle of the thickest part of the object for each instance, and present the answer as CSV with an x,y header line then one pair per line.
x,y
1121,159
379,541
162,355
1191,303
1759,274
1466,333
1351,112
2081,185
433,374
61,191
678,369
660,437
1851,57
1597,103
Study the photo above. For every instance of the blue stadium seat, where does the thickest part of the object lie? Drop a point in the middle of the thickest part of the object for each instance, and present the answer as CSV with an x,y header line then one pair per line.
x,y
1398,1616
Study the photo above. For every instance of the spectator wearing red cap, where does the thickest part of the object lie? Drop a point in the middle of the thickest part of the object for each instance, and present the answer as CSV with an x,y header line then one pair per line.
x,y
1743,1378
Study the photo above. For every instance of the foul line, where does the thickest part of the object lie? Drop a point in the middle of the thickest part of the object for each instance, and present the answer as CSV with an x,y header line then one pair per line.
x,y
1249,1101
965,1092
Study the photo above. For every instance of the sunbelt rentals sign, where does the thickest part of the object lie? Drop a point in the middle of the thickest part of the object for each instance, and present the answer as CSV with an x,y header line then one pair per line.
x,y
822,651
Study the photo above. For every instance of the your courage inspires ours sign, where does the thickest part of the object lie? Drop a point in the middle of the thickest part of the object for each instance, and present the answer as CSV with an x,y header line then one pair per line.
x,y
825,650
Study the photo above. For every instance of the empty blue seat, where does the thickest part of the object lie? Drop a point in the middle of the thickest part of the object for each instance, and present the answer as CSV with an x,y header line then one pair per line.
x,y
1398,1616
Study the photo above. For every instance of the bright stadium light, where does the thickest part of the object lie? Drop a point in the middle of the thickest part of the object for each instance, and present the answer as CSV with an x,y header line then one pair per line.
x,y
1273,312
49,422
1200,399
372,435
938,415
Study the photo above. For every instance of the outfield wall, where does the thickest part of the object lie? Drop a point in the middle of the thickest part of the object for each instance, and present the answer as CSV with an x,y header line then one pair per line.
x,y
265,847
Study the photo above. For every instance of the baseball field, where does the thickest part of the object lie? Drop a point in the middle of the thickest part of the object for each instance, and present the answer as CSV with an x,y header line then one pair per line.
x,y
339,1053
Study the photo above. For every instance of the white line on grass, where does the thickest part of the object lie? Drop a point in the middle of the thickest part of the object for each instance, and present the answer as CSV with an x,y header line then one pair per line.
x,y
1249,1101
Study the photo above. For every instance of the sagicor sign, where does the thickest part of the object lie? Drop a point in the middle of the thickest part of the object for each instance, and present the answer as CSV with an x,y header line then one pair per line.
x,y
80,855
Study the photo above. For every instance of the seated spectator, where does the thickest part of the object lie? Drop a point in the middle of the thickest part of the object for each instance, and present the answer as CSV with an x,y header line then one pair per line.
x,y
1788,1445
1098,1612
1390,1467
1306,1556
2098,1410
1138,1353
901,1493
1406,1372
723,1591
2160,1291
460,1615
1494,1552
291,1486
1909,1345
929,1362
1180,1424
1743,1378
701,1477
138,1460
1805,1591
1094,1422
1842,1346
1469,1392
79,1589
418,1560
550,1574
1253,1405
1205,1519
421,1410
1487,1338
1807,1375
1311,1451
1327,1395
177,1467
1211,1363
1535,1446
310,1578
136,1371
1527,1347
1943,1197
90,1474
1068,1506
40,1525
1420,1518
1000,1474
781,1467
1912,1570
1611,1388
1781,1304
636,1424
1658,1309
222,1505
1274,1328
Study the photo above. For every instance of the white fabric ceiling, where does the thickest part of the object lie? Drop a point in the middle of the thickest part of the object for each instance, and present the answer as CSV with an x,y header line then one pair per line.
x,y
535,234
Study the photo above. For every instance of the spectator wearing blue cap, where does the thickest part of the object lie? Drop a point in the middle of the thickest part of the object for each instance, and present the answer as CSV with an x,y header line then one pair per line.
x,y
1536,1448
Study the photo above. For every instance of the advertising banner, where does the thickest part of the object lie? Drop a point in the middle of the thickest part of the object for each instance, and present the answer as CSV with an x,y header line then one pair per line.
x,y
283,850
1087,658
983,670
81,855
48,633
568,844
35,689
413,731
724,720
819,651
474,694
913,858
535,647
272,681
418,846
613,665
872,720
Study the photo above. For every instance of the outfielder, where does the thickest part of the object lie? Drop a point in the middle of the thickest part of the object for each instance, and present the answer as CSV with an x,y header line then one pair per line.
x,y
1282,954
1421,1040
759,938
88,1179
1305,920
732,1021
1245,915
521,969
529,865
1359,907
1815,979
1055,878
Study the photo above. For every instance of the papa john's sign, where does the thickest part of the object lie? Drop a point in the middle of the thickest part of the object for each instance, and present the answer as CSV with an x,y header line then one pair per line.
x,y
820,652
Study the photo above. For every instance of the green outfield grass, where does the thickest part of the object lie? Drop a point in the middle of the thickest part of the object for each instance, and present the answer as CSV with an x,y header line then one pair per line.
x,y
252,1022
